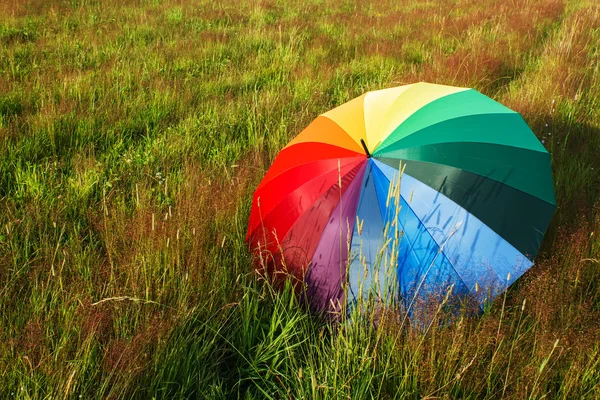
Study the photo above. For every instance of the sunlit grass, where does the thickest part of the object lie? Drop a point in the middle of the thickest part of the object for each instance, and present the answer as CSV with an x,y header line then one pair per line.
x,y
132,135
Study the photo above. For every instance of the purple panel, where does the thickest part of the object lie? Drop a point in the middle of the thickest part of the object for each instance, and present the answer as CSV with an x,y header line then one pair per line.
x,y
328,266
299,244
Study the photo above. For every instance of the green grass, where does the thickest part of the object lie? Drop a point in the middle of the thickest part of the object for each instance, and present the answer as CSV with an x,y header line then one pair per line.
x,y
132,135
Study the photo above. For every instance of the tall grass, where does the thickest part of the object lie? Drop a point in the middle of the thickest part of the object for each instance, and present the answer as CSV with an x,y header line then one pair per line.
x,y
132,135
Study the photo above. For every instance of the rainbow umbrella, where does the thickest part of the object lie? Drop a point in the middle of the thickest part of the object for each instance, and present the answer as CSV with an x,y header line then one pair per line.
x,y
442,186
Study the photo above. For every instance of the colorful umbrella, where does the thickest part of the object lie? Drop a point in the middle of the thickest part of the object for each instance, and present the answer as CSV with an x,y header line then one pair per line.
x,y
442,186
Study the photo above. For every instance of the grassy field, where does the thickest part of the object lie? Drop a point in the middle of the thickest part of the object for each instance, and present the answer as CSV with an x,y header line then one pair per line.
x,y
132,134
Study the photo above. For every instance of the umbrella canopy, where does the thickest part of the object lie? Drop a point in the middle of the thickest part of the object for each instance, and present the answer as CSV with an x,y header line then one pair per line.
x,y
441,186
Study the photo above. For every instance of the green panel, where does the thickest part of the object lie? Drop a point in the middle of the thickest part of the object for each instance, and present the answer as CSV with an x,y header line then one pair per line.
x,y
518,217
467,116
526,170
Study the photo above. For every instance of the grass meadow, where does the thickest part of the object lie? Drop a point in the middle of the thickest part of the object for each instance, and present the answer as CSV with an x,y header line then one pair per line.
x,y
132,135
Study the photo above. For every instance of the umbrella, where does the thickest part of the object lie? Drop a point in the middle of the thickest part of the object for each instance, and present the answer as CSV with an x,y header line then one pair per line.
x,y
413,190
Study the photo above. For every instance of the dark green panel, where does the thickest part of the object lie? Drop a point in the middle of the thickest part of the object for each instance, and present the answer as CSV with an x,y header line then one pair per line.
x,y
518,217
467,116
526,170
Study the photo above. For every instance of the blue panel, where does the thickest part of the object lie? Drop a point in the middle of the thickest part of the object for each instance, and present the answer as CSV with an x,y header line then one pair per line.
x,y
367,242
482,259
381,187
435,276
421,267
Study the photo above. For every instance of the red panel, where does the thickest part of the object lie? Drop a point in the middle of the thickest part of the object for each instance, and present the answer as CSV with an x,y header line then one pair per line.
x,y
278,223
303,153
283,184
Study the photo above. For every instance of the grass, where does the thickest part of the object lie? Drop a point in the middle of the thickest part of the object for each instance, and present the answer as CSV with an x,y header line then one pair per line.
x,y
132,135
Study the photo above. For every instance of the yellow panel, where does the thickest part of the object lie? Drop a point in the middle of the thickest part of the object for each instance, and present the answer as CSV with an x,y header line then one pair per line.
x,y
351,118
372,116
407,102
324,130
376,106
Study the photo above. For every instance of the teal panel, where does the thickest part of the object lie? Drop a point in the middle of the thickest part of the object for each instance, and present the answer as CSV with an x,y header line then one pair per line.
x,y
521,219
467,116
526,170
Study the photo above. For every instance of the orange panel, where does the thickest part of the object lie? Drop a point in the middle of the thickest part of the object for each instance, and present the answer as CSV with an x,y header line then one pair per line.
x,y
325,130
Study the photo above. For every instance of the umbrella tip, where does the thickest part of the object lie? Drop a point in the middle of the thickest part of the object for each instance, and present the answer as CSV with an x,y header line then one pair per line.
x,y
364,145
